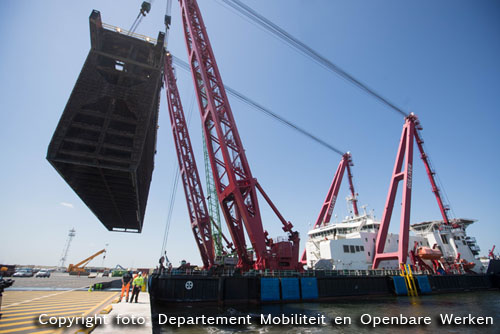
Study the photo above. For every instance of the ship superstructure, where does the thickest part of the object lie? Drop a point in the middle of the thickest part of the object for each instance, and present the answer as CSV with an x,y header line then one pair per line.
x,y
350,244
451,240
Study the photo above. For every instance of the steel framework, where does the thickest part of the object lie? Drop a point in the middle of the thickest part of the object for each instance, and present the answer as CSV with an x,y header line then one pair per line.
x,y
491,253
236,187
64,256
326,211
430,173
405,173
197,207
105,142
213,204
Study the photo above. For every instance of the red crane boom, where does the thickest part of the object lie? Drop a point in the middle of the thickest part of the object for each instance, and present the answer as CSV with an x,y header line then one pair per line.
x,y
326,211
197,206
430,173
236,187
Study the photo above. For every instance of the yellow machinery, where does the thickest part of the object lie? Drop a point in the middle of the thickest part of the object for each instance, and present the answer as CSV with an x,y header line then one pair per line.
x,y
79,268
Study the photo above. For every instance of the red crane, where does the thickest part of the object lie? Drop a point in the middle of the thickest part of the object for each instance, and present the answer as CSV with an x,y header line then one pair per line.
x,y
197,206
236,187
491,253
326,211
404,173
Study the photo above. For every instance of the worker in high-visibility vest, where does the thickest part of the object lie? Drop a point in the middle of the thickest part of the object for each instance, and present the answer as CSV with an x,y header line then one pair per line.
x,y
145,277
137,284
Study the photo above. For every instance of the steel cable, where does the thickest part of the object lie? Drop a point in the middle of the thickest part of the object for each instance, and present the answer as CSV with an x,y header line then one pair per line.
x,y
293,42
175,183
185,66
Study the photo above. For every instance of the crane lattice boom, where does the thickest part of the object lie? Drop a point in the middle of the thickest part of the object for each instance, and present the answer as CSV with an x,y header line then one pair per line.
x,y
236,187
197,207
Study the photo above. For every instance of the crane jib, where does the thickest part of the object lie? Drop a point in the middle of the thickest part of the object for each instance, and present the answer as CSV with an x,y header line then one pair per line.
x,y
235,185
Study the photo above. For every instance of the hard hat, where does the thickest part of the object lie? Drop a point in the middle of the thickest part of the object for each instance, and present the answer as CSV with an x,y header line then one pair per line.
x,y
140,273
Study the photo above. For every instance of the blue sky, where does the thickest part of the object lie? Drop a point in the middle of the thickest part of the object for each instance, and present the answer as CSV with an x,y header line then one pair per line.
x,y
440,60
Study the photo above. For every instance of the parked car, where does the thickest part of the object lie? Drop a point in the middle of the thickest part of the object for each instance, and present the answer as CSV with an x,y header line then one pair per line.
x,y
24,272
43,273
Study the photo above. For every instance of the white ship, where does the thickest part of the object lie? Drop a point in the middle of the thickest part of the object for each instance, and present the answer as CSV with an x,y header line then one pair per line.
x,y
351,244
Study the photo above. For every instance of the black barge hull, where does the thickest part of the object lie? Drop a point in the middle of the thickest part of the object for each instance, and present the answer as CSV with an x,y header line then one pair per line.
x,y
168,290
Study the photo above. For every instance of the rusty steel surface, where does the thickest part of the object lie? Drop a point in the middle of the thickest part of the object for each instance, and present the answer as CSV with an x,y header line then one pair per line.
x,y
105,142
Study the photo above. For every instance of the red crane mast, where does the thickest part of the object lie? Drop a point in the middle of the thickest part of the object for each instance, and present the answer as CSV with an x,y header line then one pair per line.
x,y
326,211
197,206
403,171
236,187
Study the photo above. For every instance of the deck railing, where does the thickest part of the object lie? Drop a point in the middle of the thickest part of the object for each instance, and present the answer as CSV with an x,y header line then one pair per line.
x,y
128,33
287,273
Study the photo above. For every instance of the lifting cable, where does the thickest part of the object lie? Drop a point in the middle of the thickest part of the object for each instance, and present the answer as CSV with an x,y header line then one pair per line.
x,y
185,66
439,183
175,182
293,42
260,21
136,23
145,8
168,20
173,193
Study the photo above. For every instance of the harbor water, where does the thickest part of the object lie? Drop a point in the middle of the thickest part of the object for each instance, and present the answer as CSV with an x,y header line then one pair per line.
x,y
354,315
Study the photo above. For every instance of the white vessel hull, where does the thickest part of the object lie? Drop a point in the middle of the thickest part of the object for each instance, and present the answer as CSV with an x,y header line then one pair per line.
x,y
350,245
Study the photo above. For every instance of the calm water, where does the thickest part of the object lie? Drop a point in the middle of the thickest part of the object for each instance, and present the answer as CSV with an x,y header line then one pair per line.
x,y
474,303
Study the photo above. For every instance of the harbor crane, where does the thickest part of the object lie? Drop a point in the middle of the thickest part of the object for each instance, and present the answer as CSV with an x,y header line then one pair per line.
x,y
80,266
403,171
197,206
195,198
326,211
235,185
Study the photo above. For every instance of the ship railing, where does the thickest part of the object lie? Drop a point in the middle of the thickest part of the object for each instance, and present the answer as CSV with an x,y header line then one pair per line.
x,y
291,273
129,33
357,272
275,273
179,272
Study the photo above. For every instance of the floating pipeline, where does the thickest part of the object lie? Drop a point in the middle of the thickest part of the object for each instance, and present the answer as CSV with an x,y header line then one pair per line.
x,y
166,290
